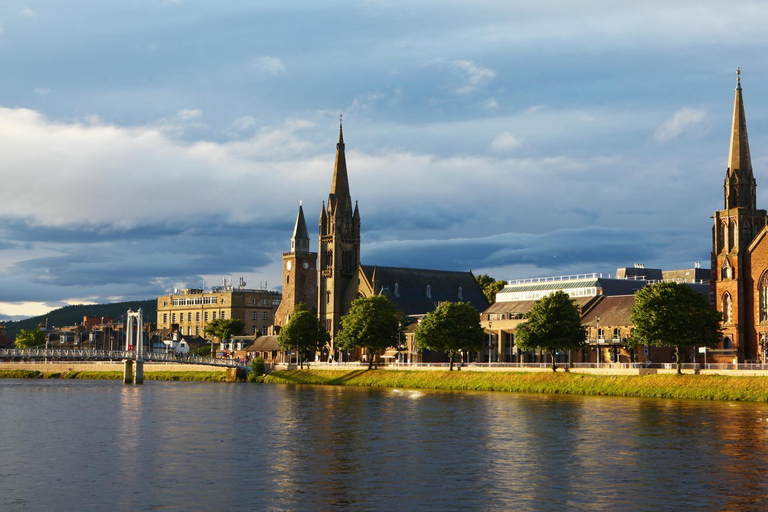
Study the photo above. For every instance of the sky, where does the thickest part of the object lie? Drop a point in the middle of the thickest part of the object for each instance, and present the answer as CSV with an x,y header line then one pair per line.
x,y
148,145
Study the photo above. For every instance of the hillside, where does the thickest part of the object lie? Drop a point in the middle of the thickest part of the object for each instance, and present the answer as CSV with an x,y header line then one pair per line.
x,y
72,315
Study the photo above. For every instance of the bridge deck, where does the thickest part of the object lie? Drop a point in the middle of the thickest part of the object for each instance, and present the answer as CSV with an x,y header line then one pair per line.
x,y
111,355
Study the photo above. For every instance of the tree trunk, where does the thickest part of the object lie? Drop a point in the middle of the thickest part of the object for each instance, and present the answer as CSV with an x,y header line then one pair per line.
x,y
677,360
554,363
371,353
451,367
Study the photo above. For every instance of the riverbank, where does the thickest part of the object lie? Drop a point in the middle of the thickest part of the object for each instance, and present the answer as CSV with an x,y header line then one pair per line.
x,y
699,387
185,376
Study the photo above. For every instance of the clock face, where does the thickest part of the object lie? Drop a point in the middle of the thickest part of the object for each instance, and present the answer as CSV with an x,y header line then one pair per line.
x,y
305,265
288,265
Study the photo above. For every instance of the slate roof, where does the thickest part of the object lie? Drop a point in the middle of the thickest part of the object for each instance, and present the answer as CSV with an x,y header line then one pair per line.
x,y
523,306
407,287
262,344
613,311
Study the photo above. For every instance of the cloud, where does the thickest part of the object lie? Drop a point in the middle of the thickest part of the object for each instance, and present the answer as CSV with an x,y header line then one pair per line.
x,y
268,65
27,12
490,104
475,75
683,122
505,142
245,122
369,100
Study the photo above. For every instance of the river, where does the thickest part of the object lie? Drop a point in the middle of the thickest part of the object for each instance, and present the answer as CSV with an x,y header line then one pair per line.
x,y
102,445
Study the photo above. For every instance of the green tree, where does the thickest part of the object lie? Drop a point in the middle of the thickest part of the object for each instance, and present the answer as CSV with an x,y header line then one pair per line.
x,y
223,329
552,324
490,286
371,323
451,328
303,332
29,338
674,315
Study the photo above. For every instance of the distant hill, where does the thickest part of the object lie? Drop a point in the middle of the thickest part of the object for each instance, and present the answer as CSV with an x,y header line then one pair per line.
x,y
73,315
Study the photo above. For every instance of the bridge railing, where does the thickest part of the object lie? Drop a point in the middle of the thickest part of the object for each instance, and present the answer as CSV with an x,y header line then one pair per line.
x,y
87,355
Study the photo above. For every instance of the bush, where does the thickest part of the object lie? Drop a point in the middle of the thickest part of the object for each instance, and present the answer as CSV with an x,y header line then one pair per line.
x,y
257,370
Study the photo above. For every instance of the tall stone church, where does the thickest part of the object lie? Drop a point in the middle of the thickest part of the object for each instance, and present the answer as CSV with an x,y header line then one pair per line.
x,y
339,277
739,282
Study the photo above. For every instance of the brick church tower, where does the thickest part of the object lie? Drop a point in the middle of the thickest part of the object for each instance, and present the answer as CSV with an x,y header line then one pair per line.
x,y
299,273
339,248
735,227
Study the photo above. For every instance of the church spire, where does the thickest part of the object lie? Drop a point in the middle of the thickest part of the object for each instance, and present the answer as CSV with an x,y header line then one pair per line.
x,y
740,185
340,185
300,238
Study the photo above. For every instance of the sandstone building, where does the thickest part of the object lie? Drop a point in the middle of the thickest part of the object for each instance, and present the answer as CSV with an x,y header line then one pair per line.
x,y
739,283
299,273
341,278
187,311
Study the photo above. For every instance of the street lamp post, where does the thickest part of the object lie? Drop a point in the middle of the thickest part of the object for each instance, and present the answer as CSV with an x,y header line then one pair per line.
x,y
490,341
597,340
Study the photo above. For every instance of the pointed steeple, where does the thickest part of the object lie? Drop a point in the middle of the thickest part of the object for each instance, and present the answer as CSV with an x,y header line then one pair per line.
x,y
300,238
323,220
340,185
740,185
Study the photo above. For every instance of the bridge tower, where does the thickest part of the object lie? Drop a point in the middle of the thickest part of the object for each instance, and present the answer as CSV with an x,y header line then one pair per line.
x,y
135,341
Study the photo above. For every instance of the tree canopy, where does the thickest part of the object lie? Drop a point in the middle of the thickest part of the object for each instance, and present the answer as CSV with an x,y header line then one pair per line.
x,y
674,315
451,328
371,323
28,338
303,332
224,328
552,324
490,286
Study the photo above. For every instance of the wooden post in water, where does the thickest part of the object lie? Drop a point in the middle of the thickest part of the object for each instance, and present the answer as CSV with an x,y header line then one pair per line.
x,y
128,371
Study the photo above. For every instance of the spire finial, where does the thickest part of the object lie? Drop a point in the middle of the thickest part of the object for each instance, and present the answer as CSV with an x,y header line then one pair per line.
x,y
738,78
341,116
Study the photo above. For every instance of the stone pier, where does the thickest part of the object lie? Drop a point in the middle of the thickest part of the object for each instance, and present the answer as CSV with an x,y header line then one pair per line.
x,y
128,371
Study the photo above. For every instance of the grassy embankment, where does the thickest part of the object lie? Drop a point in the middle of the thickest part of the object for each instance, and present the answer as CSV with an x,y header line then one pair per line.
x,y
115,375
700,387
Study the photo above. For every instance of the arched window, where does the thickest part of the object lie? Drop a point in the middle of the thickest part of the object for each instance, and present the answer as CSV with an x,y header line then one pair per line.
x,y
726,272
726,342
731,235
762,291
721,237
617,334
727,318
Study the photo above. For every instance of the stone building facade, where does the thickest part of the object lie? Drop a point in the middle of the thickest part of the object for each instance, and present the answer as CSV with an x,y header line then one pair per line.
x,y
188,311
739,281
339,248
299,274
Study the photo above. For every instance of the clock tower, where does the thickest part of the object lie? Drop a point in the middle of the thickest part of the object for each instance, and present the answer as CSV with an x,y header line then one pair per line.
x,y
299,273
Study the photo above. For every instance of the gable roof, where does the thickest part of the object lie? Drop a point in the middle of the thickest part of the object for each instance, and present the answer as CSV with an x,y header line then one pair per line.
x,y
263,344
418,291
613,310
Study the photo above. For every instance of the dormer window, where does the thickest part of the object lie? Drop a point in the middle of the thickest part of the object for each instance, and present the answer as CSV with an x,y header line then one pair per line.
x,y
397,290
429,292
461,293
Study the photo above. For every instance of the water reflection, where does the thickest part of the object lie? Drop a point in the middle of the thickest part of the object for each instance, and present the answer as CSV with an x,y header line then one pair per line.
x,y
185,446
